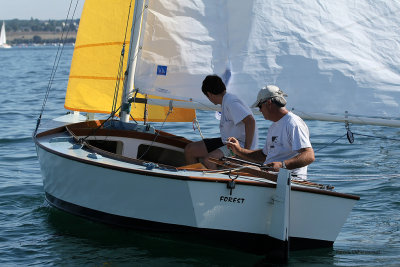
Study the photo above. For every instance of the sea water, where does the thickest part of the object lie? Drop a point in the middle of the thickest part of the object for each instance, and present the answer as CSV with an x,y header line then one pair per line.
x,y
32,233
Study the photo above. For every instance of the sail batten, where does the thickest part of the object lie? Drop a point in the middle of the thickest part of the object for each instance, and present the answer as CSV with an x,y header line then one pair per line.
x,y
119,44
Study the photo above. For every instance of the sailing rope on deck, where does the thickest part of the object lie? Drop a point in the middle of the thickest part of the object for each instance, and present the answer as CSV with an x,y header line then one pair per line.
x,y
228,170
56,62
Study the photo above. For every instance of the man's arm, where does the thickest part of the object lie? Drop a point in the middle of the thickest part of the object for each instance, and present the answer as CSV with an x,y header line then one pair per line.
x,y
247,154
250,126
305,157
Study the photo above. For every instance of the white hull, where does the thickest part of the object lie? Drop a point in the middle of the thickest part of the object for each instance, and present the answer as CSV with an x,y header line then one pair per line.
x,y
182,199
5,46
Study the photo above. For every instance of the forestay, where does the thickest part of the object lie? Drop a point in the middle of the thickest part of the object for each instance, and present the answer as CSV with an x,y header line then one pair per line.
x,y
329,61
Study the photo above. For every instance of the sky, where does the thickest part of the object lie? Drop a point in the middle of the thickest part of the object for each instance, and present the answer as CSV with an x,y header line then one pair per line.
x,y
38,9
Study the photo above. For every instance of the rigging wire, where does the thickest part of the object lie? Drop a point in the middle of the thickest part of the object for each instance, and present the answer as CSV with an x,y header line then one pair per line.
x,y
158,133
81,140
56,62
331,143
121,64
360,134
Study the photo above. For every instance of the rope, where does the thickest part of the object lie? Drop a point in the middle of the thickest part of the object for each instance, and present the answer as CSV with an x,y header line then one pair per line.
x,y
197,124
226,170
56,63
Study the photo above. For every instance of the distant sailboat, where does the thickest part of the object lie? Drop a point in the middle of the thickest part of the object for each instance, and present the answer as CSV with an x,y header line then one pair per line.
x,y
3,40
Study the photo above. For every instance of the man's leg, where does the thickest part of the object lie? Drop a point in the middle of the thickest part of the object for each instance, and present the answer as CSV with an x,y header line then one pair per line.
x,y
195,150
213,154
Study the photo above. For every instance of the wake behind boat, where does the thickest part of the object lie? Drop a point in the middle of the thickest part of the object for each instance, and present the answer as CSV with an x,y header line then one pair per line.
x,y
128,174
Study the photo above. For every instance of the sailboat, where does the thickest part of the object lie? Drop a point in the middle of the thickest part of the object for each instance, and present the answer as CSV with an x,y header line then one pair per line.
x,y
126,173
3,40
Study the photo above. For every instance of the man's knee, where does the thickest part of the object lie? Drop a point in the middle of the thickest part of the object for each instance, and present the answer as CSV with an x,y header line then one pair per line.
x,y
189,148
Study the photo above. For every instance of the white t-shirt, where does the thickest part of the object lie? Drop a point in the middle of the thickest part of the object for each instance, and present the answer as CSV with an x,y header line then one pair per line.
x,y
286,137
231,125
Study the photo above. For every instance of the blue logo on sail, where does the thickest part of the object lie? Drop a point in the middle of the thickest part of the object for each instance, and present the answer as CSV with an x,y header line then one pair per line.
x,y
161,70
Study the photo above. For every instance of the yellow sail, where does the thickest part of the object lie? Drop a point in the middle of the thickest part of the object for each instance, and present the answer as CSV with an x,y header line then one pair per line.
x,y
94,68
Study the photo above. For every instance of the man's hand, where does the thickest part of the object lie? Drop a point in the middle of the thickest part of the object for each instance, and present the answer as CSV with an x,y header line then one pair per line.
x,y
233,144
275,166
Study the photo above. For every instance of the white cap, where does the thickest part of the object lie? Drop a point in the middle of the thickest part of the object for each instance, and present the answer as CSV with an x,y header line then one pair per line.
x,y
267,92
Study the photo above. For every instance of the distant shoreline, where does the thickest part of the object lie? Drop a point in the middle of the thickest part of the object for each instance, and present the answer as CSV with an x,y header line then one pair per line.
x,y
29,36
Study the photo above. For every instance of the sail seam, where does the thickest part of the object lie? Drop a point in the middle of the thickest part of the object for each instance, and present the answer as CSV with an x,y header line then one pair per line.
x,y
94,77
100,44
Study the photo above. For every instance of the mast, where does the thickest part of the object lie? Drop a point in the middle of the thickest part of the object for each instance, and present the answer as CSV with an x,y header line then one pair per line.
x,y
133,50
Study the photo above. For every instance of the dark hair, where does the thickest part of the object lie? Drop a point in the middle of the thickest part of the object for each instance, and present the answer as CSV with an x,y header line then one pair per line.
x,y
213,84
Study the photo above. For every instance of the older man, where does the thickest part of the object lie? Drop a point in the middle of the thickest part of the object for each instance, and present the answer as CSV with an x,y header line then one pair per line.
x,y
288,144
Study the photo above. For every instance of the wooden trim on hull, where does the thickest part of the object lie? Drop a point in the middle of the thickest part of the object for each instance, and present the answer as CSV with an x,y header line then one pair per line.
x,y
250,242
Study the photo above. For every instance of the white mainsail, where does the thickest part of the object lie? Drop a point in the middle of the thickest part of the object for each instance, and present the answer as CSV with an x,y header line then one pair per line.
x,y
3,38
330,62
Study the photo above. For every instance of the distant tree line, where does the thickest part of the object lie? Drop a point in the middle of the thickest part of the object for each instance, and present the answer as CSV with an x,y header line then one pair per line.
x,y
35,25
38,40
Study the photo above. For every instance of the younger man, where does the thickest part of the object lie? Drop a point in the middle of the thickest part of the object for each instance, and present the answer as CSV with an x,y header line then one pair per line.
x,y
236,121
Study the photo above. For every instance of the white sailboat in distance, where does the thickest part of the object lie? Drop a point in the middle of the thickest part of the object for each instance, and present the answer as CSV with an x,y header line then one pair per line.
x,y
3,38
